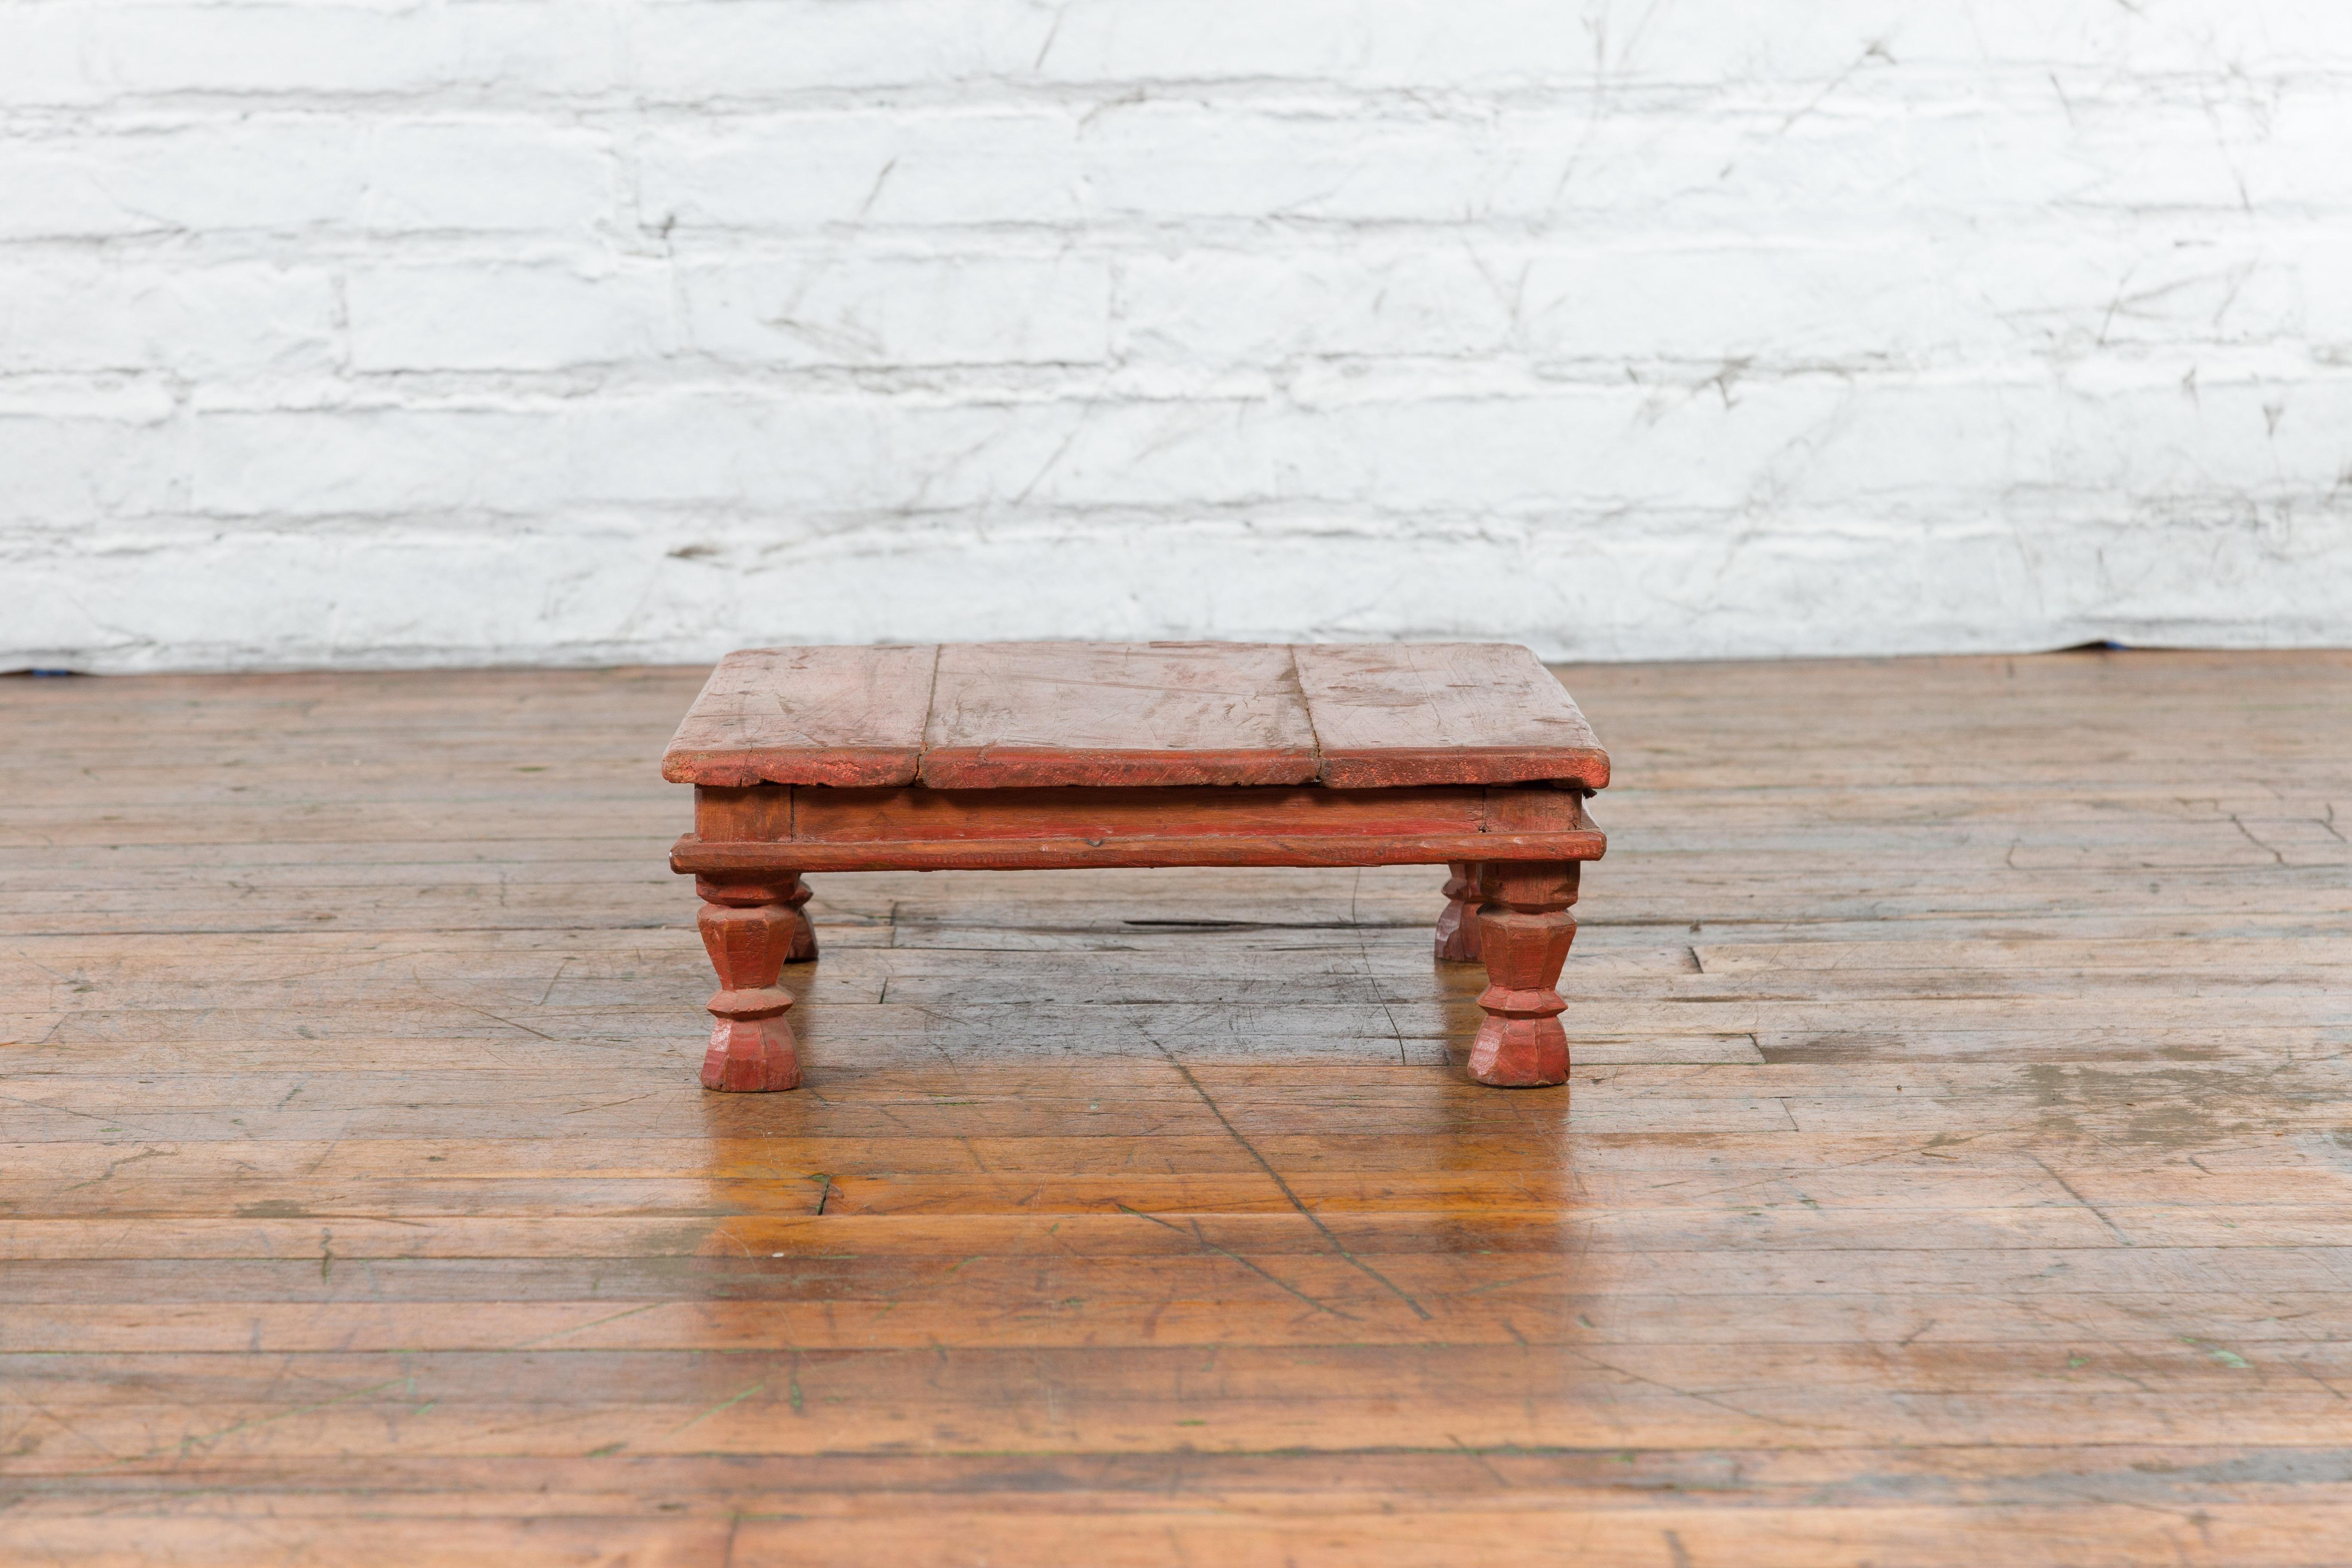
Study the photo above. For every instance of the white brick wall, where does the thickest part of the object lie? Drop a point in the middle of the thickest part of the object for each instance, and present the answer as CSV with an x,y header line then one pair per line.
x,y
454,331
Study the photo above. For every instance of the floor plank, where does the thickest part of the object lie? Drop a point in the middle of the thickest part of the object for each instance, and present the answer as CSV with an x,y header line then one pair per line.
x,y
1956,1167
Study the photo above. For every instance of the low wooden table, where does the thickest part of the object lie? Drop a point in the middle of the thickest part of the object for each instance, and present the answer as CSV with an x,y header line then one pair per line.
x,y
1004,756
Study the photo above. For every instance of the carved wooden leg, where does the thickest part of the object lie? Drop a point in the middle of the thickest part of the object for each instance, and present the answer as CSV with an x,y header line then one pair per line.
x,y
1523,933
804,945
748,929
1457,927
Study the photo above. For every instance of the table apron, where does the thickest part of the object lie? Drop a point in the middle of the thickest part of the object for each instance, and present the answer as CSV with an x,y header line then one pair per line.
x,y
809,828
695,855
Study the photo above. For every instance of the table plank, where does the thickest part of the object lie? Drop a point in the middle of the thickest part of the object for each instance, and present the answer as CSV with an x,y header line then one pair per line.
x,y
1428,713
1029,715
1043,715
844,716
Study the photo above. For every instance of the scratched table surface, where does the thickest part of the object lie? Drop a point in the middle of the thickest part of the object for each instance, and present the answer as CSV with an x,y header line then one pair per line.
x,y
1956,1167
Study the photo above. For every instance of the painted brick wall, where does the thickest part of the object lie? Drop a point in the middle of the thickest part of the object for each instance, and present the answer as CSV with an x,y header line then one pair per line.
x,y
595,330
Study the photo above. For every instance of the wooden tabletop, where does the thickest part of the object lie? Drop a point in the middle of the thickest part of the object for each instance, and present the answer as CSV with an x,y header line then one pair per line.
x,y
1017,715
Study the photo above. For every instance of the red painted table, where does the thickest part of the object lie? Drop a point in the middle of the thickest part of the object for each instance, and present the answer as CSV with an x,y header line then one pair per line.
x,y
1031,755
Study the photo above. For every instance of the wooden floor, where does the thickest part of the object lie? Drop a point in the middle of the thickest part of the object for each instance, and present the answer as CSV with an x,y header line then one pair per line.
x,y
1958,1166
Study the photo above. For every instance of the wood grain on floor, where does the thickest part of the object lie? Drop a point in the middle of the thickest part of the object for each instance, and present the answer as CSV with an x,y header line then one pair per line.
x,y
1956,1169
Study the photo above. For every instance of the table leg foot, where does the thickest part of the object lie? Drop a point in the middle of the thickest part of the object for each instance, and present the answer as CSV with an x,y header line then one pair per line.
x,y
1458,927
751,1056
804,940
747,928
1524,933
